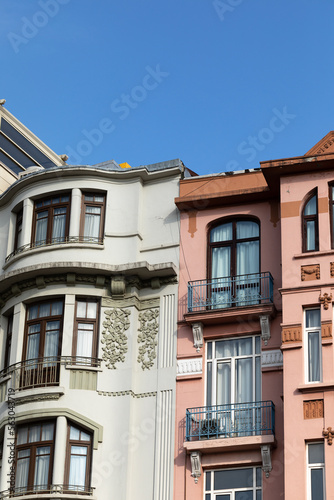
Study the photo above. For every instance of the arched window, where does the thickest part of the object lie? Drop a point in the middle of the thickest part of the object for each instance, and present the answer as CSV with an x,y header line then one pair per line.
x,y
310,224
234,262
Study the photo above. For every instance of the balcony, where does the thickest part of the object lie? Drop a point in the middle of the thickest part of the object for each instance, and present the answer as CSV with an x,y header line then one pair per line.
x,y
63,491
221,299
42,372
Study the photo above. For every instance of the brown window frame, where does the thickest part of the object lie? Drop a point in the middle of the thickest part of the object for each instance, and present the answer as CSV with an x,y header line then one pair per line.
x,y
32,457
18,228
231,243
8,340
43,321
93,203
50,208
86,320
81,443
310,218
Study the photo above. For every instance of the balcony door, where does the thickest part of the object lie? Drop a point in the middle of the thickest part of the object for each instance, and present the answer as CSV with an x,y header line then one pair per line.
x,y
233,379
235,263
42,345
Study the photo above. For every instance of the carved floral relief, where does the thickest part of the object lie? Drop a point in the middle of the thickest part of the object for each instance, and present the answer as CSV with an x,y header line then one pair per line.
x,y
114,337
147,338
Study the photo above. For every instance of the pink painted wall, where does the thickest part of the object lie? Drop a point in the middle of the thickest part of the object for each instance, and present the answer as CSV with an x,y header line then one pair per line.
x,y
191,391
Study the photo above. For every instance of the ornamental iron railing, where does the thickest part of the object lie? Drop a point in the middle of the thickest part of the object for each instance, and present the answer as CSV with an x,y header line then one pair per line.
x,y
42,372
232,420
230,291
47,489
55,241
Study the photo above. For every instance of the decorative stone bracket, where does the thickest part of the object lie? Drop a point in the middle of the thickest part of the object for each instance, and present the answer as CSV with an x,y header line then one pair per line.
x,y
265,328
196,468
325,300
266,459
198,335
329,435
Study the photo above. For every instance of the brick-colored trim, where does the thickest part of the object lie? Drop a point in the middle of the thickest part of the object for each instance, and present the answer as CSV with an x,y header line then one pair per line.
x,y
292,334
313,409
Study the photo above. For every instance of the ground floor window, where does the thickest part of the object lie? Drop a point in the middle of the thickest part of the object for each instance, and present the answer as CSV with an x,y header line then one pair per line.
x,y
316,471
234,484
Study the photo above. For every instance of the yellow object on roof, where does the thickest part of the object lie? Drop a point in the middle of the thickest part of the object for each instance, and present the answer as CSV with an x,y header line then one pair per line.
x,y
124,165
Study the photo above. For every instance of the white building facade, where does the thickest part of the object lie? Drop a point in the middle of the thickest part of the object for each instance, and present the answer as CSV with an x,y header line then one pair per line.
x,y
88,296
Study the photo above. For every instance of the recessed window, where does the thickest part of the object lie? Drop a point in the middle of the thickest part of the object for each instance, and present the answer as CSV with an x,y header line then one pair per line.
x,y
92,219
234,484
85,339
313,342
51,220
310,224
18,230
316,471
234,263
77,474
34,457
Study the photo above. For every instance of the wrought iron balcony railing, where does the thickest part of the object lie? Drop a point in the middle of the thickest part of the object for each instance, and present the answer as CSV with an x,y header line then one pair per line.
x,y
45,489
230,291
233,420
42,372
55,241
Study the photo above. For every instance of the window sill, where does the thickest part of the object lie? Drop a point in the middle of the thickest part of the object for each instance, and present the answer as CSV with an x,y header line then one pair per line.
x,y
48,248
83,368
317,253
316,387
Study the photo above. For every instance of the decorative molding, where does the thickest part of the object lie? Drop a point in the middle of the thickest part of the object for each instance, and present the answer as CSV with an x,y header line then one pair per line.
x,y
117,284
270,359
148,329
36,398
197,329
326,329
310,272
265,328
332,269
189,366
313,409
325,300
266,459
292,333
113,337
196,469
329,435
131,301
128,393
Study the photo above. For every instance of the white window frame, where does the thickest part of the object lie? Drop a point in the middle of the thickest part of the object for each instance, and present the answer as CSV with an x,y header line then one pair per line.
x,y
314,466
214,361
307,331
210,494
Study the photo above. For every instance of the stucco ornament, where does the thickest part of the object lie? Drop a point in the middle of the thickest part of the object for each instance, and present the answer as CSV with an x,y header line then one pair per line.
x,y
114,337
148,338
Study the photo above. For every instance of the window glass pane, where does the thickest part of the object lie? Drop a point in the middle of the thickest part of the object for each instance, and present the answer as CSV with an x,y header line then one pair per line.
x,y
244,495
247,229
77,475
317,484
85,340
22,435
208,481
92,224
257,345
93,210
313,318
44,310
32,312
22,471
23,453
209,350
47,432
33,346
258,476
316,453
258,379
41,475
314,356
259,495
56,308
244,381
209,384
311,206
74,434
223,396
65,198
59,224
34,433
99,199
41,229
221,233
248,258
81,309
91,310
84,436
244,346
221,264
310,235
89,197
236,478
56,199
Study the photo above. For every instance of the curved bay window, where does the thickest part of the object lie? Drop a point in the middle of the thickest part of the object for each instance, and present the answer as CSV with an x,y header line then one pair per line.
x,y
34,457
78,461
310,224
92,218
51,220
85,338
235,263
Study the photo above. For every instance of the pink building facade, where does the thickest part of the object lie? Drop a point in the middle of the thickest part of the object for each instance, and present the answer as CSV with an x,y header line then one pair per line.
x,y
255,383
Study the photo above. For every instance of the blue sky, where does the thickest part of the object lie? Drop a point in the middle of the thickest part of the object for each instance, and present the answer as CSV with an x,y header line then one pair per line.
x,y
220,84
